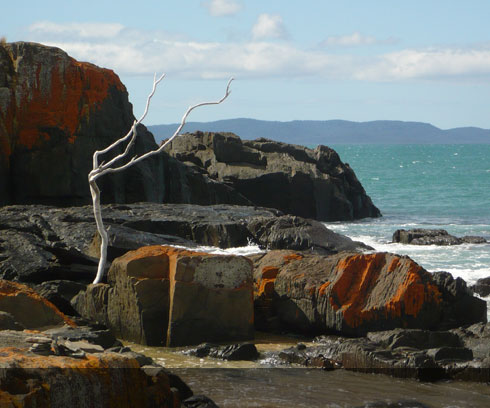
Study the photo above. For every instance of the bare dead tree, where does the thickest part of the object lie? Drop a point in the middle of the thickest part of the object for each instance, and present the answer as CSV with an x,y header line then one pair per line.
x,y
99,170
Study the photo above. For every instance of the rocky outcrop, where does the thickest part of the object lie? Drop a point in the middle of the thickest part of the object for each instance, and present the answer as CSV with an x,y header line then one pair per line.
x,y
405,353
167,296
29,309
294,179
356,293
233,352
40,243
459,306
55,112
482,287
422,236
81,374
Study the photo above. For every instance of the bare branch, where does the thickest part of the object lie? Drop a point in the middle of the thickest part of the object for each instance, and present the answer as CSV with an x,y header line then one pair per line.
x,y
135,159
105,168
133,128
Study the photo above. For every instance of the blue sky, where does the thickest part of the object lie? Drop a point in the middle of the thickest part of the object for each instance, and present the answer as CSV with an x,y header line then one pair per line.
x,y
425,61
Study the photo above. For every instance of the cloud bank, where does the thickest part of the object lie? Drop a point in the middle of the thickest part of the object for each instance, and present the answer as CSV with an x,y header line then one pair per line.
x,y
138,52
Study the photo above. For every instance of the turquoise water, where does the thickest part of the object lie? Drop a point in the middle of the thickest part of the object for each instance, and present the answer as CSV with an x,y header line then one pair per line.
x,y
425,186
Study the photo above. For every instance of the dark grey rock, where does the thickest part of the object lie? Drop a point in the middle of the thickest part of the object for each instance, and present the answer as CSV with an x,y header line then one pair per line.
x,y
244,351
416,339
199,401
60,293
139,357
8,322
473,240
462,353
482,287
477,338
294,179
422,236
40,243
94,334
174,380
459,307
450,353
397,404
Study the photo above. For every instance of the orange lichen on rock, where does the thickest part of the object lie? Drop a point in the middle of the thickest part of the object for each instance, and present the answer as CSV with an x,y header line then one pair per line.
x,y
71,95
154,261
413,294
323,287
17,299
50,90
357,277
293,257
265,285
103,379
270,272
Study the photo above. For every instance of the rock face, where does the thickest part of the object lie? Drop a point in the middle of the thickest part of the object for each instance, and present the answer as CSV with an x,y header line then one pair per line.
x,y
40,243
294,179
55,112
421,236
353,294
166,296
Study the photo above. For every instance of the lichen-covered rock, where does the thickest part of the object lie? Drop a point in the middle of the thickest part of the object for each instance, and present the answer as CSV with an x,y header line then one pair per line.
x,y
294,179
96,380
55,112
351,293
28,308
166,296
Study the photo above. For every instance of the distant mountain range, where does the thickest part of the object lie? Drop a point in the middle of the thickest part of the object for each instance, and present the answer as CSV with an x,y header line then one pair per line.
x,y
314,132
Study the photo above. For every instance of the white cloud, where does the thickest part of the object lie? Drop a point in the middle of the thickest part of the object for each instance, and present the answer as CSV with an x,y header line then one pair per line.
x,y
269,26
77,30
219,8
349,40
130,51
429,64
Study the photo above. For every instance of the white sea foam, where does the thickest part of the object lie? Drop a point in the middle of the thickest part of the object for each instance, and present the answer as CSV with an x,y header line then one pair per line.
x,y
244,251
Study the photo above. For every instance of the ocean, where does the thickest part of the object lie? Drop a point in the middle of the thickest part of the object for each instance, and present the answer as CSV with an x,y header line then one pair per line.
x,y
425,186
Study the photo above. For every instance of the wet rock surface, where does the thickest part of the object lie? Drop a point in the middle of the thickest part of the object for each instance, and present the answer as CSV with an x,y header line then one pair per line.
x,y
41,243
406,353
294,179
243,351
421,236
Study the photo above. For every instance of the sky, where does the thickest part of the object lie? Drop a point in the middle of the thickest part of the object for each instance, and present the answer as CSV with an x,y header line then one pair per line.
x,y
358,60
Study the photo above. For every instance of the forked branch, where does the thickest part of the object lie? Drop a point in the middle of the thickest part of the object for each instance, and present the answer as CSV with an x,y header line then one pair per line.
x,y
99,170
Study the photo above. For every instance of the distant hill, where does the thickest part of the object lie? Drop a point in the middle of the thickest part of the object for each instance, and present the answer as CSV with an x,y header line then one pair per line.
x,y
314,132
